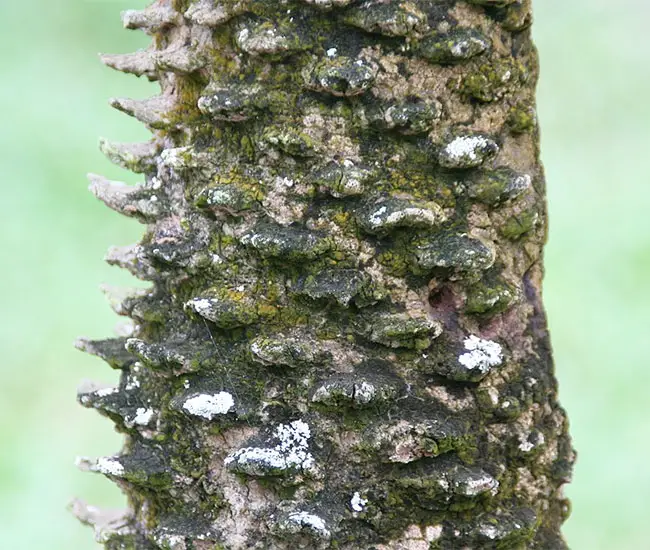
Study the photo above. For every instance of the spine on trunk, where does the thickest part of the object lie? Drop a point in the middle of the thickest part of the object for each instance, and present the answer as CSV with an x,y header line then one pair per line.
x,y
343,344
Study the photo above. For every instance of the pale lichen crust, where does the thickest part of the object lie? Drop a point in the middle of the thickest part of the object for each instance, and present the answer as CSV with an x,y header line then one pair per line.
x,y
342,344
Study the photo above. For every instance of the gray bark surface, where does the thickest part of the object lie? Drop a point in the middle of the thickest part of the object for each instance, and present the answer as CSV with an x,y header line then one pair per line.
x,y
343,344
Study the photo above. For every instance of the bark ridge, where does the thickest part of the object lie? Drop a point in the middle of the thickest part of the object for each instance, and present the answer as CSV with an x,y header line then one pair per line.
x,y
343,344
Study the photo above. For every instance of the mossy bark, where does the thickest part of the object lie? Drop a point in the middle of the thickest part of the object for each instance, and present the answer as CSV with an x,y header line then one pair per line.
x,y
343,345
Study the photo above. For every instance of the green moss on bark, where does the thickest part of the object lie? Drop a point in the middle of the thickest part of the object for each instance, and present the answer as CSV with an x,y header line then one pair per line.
x,y
344,345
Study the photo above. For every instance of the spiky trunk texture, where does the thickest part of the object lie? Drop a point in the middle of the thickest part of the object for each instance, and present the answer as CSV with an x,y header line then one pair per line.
x,y
344,344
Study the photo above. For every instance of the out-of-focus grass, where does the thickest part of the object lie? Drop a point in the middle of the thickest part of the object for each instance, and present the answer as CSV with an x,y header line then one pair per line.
x,y
595,117
594,114
53,235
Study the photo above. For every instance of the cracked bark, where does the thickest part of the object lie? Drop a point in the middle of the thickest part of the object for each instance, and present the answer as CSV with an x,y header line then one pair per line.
x,y
343,344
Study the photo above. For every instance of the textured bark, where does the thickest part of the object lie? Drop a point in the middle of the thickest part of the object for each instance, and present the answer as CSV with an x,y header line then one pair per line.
x,y
343,345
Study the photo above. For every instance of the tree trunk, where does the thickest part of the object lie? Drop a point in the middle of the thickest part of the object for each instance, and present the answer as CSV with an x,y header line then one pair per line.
x,y
344,344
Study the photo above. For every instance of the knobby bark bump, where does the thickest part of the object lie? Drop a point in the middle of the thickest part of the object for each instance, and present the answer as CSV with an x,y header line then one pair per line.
x,y
343,344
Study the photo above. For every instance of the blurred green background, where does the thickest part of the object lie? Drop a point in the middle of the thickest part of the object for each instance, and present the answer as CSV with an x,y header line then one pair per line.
x,y
595,115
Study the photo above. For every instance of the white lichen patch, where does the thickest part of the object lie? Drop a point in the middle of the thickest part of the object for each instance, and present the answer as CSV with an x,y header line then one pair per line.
x,y
357,503
142,417
328,3
364,392
352,179
299,521
209,405
290,453
462,49
432,532
219,197
109,466
479,485
360,393
493,394
376,218
262,41
468,151
465,147
176,157
171,541
489,531
266,459
105,392
287,350
203,306
412,214
521,183
526,445
324,393
89,391
400,213
459,48
132,382
481,354
294,441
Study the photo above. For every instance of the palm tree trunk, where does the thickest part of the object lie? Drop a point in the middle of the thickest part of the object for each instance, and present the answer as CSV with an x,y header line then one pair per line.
x,y
343,344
